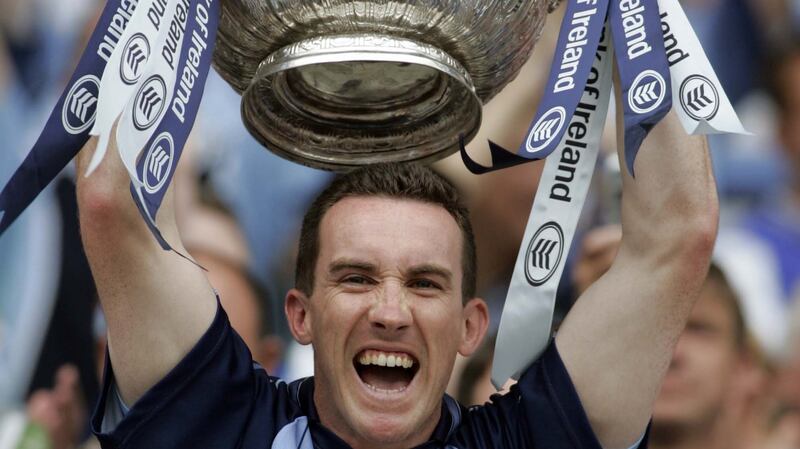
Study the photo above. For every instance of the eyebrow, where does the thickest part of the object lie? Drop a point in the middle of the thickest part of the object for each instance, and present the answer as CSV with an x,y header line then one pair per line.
x,y
367,267
431,269
351,264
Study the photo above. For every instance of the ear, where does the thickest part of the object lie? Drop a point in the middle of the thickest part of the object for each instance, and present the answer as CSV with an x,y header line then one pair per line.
x,y
476,321
296,308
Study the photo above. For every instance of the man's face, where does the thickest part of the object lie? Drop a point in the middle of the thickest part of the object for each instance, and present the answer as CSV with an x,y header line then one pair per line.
x,y
387,292
704,365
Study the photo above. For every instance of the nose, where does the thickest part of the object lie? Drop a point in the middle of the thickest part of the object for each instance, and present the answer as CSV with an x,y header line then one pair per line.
x,y
390,311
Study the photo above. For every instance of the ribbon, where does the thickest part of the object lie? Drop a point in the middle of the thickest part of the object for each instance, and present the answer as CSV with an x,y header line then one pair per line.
x,y
528,310
704,107
123,72
67,128
577,44
643,69
156,167
167,44
659,57
148,106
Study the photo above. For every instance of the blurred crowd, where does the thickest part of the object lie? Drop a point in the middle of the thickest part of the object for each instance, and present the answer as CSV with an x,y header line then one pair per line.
x,y
734,380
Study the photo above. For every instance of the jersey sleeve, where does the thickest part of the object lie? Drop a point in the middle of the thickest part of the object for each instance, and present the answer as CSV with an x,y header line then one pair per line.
x,y
541,411
205,401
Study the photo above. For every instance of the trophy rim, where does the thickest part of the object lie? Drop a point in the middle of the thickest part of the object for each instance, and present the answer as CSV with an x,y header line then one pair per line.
x,y
277,128
405,50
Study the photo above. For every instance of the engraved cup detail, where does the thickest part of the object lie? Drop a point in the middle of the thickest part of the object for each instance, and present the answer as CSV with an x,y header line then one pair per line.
x,y
337,84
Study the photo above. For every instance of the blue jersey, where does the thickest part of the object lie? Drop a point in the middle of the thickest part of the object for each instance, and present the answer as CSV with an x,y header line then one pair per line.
x,y
217,398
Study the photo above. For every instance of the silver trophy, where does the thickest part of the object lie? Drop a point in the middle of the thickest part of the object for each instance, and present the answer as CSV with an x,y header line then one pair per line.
x,y
340,83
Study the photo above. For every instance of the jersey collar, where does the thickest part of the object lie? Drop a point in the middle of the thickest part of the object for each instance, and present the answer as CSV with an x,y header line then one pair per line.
x,y
324,438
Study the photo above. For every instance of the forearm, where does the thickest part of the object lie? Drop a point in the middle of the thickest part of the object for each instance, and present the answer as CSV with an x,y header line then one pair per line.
x,y
670,209
617,340
156,304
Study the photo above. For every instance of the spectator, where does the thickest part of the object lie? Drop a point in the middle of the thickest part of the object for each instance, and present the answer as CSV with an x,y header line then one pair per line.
x,y
718,390
61,410
777,221
213,238
789,384
711,362
47,294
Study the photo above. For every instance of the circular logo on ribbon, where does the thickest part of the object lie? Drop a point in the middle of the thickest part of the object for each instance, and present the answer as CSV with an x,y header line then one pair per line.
x,y
134,57
544,253
149,102
158,163
647,92
546,129
699,98
80,104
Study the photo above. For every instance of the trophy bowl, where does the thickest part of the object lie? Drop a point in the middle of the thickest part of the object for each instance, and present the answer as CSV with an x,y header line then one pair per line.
x,y
337,84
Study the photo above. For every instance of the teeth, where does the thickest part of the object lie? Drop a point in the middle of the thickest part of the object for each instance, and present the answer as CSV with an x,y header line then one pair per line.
x,y
383,359
380,390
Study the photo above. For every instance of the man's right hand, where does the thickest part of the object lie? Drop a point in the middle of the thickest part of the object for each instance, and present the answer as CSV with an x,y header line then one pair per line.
x,y
157,304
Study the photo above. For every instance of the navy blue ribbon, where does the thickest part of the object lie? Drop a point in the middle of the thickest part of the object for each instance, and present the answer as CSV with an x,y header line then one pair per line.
x,y
156,164
644,76
578,40
67,128
643,69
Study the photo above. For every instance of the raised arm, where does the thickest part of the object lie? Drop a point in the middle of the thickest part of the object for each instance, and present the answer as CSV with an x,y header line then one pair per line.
x,y
617,341
157,304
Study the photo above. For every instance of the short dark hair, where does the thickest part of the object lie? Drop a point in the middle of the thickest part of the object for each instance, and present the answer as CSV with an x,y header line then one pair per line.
x,y
410,181
777,74
717,277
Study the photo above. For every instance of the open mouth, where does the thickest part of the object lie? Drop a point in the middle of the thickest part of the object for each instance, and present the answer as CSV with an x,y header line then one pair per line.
x,y
386,372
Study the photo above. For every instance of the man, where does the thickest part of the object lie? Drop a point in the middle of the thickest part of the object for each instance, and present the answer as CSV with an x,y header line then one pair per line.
x,y
384,287
213,238
709,372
